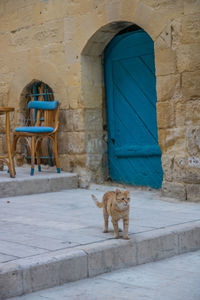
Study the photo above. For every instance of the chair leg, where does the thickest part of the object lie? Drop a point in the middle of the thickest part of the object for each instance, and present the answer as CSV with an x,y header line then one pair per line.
x,y
11,166
32,155
55,143
14,146
38,147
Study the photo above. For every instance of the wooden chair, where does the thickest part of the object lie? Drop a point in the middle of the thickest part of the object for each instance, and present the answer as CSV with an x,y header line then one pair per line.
x,y
7,158
46,126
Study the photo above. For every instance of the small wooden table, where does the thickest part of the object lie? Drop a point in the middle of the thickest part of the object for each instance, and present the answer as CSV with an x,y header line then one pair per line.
x,y
7,158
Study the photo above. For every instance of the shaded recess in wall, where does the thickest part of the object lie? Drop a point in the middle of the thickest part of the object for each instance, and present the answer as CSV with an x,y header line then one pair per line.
x,y
133,27
36,90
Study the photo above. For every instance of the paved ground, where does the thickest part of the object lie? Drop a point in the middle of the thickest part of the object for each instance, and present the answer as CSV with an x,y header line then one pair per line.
x,y
50,239
177,278
42,223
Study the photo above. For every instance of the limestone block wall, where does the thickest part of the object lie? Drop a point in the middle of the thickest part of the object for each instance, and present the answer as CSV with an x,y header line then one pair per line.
x,y
61,42
178,76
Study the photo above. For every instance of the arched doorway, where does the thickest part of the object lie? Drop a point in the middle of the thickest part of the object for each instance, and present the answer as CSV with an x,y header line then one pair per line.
x,y
133,150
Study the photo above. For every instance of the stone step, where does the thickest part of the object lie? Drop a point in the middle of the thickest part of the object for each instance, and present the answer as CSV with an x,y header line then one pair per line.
x,y
47,270
169,279
42,182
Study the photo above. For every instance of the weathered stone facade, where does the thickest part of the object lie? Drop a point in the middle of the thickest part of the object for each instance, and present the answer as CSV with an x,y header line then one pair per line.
x,y
61,42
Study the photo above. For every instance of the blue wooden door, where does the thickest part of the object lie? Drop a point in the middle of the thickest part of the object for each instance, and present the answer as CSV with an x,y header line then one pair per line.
x,y
133,150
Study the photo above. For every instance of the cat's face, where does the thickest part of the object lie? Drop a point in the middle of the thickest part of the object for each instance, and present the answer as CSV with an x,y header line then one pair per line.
x,y
122,199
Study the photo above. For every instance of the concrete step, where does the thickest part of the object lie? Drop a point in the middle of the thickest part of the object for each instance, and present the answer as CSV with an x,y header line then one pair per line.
x,y
169,279
47,270
42,182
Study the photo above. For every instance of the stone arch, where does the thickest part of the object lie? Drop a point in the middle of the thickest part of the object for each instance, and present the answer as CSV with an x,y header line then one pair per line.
x,y
22,78
93,97
25,96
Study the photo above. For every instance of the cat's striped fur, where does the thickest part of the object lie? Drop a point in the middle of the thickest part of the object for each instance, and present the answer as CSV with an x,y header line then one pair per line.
x,y
116,205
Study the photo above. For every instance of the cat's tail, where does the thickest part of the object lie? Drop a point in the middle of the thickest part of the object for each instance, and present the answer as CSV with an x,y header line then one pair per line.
x,y
99,204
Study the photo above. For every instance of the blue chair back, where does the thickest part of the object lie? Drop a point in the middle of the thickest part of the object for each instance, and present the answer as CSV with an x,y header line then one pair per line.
x,y
45,105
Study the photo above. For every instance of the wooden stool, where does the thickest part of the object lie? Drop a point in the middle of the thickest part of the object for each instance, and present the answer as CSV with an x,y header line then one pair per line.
x,y
7,158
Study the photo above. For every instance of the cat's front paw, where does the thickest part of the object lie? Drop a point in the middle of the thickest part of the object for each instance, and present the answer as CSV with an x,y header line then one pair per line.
x,y
116,236
125,237
105,231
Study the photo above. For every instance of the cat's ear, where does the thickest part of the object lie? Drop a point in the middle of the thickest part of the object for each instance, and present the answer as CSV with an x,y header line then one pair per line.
x,y
118,191
128,193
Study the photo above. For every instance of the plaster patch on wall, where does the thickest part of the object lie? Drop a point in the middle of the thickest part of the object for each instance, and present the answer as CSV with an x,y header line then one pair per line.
x,y
194,162
182,162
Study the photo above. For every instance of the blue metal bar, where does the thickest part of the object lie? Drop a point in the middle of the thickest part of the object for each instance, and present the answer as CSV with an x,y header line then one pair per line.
x,y
52,157
46,95
35,92
39,94
35,99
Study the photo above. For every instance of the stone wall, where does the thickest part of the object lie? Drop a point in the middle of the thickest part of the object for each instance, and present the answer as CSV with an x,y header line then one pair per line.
x,y
61,42
178,76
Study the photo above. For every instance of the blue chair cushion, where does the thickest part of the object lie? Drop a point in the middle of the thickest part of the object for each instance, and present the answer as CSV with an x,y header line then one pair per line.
x,y
35,129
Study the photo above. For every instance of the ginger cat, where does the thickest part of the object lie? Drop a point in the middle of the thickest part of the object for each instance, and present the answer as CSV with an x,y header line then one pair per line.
x,y
116,205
